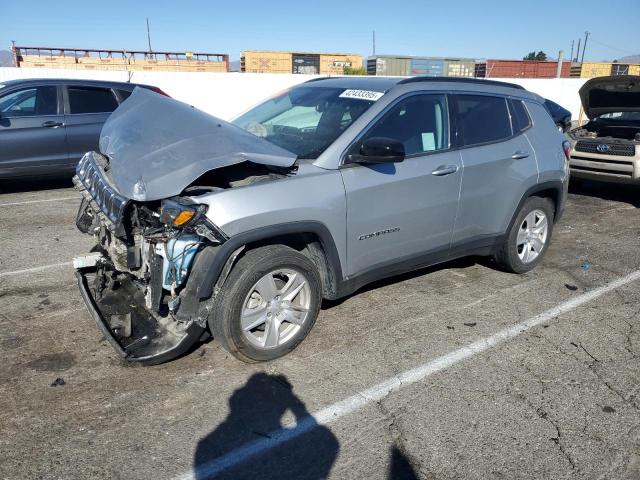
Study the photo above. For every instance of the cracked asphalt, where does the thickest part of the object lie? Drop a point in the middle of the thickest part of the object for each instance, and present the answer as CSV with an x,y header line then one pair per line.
x,y
559,401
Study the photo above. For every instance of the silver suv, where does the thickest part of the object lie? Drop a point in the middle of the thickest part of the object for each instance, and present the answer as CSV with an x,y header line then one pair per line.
x,y
239,230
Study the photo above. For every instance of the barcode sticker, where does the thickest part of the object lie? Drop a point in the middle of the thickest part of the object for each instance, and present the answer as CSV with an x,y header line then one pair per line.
x,y
362,95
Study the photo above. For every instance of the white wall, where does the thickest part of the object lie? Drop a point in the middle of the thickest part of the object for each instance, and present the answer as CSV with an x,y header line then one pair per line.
x,y
225,95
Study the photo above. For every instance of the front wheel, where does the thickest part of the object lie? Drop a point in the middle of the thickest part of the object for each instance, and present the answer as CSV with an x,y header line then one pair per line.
x,y
529,236
268,304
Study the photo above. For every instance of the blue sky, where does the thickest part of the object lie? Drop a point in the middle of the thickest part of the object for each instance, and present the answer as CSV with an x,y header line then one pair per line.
x,y
465,28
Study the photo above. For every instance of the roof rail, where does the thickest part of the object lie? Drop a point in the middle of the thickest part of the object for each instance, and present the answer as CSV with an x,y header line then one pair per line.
x,y
318,79
477,81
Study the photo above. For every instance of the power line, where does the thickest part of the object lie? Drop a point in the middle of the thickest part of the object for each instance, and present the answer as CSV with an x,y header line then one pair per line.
x,y
614,48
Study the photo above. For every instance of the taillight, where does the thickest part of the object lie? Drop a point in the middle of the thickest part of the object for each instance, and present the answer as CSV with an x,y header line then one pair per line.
x,y
160,91
566,146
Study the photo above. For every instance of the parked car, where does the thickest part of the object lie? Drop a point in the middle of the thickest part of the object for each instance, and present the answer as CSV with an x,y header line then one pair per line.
x,y
608,146
46,125
561,116
241,229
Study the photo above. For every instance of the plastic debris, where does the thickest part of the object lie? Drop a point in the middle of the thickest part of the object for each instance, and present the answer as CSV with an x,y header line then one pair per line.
x,y
586,265
58,382
470,324
571,287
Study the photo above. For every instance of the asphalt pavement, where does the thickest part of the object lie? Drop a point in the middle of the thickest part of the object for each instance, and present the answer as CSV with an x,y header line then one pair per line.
x,y
455,372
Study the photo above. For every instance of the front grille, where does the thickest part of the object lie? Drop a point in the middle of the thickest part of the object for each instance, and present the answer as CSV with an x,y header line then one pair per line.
x,y
89,176
613,148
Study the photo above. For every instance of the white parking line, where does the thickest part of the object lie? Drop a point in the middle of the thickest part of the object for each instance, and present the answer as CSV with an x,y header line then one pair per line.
x,y
379,391
26,202
35,269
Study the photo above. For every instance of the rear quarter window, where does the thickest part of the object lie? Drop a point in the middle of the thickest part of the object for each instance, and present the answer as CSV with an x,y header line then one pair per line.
x,y
519,115
482,119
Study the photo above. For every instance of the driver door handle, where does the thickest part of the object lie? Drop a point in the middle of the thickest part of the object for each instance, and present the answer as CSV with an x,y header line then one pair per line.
x,y
52,124
443,170
519,155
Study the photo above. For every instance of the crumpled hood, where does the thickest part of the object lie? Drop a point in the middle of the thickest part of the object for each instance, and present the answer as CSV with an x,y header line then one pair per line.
x,y
157,146
610,94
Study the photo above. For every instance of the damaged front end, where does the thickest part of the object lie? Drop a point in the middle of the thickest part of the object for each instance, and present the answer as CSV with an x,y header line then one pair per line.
x,y
135,281
144,280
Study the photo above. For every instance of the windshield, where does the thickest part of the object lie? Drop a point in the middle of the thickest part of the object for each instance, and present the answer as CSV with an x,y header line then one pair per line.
x,y
306,120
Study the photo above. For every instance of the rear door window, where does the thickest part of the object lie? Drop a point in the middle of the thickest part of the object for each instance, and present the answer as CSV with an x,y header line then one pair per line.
x,y
482,119
91,100
519,115
29,102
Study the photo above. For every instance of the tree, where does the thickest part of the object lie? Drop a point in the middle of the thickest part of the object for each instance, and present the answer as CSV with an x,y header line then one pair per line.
x,y
533,56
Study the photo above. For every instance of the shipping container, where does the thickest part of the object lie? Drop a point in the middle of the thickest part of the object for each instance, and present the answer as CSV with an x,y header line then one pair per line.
x,y
595,69
266,62
427,67
525,69
634,69
262,61
389,65
305,63
619,69
459,68
88,59
334,64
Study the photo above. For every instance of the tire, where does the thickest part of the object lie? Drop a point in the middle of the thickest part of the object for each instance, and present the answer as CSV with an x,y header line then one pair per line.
x,y
258,316
521,252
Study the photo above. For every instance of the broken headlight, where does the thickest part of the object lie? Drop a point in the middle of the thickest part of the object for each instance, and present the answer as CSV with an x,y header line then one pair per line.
x,y
177,214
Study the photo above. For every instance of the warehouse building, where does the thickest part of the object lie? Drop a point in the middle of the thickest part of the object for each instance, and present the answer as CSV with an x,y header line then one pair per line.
x,y
398,65
265,61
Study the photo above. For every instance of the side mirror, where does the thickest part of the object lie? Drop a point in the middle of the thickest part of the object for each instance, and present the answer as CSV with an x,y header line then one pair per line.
x,y
379,150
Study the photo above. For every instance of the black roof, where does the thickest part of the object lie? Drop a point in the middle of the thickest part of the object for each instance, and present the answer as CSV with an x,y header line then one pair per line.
x,y
72,81
475,81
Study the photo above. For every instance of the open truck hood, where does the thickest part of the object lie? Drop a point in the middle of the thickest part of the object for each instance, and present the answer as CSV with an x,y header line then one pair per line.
x,y
157,146
610,94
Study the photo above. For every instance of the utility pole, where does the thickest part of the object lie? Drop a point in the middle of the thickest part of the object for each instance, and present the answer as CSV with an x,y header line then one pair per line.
x,y
148,35
572,44
374,43
584,47
578,53
559,68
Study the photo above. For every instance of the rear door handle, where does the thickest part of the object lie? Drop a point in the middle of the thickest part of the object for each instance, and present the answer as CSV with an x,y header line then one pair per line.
x,y
519,155
52,124
443,170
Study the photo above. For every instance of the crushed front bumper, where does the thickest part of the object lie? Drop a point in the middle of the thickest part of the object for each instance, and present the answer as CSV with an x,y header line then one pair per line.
x,y
134,332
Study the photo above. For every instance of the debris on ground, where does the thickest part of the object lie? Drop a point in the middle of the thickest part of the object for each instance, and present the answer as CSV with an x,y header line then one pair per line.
x,y
58,382
449,327
586,265
608,409
571,287
470,324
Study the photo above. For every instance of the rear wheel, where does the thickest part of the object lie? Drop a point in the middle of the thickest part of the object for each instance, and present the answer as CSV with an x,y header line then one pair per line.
x,y
268,304
529,236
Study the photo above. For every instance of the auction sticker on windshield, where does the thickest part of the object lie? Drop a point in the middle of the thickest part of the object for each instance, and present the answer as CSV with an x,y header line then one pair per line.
x,y
362,94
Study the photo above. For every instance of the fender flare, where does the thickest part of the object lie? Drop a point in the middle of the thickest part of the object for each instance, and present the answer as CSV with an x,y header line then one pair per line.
x,y
555,185
209,270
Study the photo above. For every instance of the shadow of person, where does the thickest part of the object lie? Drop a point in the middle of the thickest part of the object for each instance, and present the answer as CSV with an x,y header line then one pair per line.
x,y
400,467
253,441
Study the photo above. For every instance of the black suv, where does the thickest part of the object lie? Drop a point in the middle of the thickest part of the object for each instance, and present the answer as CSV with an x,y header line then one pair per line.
x,y
46,125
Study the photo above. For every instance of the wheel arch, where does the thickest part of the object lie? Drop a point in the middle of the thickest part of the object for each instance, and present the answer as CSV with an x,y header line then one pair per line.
x,y
311,238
